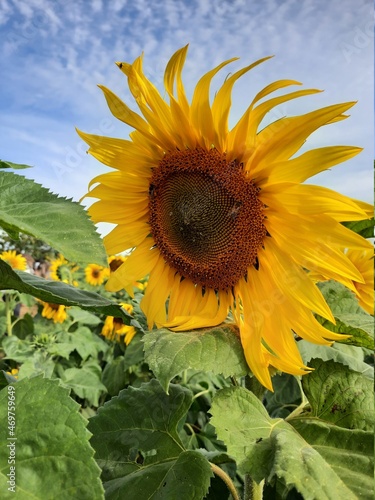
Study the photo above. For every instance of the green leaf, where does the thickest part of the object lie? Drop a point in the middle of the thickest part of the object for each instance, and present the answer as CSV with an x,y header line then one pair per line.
x,y
85,342
23,327
38,364
271,448
85,382
340,299
57,292
53,458
137,446
363,227
9,164
134,352
17,349
359,326
350,453
217,350
113,376
340,395
348,355
84,317
27,207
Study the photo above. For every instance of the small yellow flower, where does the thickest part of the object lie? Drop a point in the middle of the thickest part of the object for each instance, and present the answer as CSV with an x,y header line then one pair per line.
x,y
57,312
55,268
14,259
95,274
13,372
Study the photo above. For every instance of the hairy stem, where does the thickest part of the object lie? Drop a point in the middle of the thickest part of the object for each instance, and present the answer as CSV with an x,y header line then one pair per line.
x,y
8,313
227,480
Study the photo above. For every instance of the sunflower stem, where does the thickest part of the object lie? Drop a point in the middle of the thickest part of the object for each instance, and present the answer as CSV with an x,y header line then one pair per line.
x,y
8,313
253,490
227,480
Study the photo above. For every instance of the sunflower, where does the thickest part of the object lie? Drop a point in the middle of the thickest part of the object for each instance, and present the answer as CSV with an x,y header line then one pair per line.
x,y
57,312
14,259
55,269
95,274
219,218
114,328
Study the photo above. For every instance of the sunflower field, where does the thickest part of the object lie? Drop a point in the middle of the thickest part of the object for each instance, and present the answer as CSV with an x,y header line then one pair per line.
x,y
218,342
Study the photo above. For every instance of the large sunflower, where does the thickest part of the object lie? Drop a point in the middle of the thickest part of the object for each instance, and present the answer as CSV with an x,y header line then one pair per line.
x,y
218,217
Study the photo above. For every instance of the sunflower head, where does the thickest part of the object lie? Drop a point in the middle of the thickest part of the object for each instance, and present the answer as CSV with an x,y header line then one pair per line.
x,y
14,259
115,329
95,274
219,217
56,312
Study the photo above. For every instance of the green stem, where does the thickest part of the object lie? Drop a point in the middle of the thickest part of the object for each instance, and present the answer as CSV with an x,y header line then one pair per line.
x,y
253,490
227,480
8,313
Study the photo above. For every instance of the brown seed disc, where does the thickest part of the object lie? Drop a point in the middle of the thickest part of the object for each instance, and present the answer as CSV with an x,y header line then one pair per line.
x,y
206,217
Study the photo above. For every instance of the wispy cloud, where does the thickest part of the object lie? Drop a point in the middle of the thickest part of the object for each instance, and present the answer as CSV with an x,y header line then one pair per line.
x,y
55,51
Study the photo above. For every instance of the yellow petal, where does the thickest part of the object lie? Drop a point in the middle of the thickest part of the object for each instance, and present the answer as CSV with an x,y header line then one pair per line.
x,y
139,263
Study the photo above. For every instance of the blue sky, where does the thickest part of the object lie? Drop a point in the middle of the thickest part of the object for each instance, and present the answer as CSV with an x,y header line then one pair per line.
x,y
55,52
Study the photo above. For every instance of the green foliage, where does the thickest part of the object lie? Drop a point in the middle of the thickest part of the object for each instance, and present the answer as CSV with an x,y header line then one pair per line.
x,y
270,448
340,395
53,457
137,445
217,350
154,438
29,208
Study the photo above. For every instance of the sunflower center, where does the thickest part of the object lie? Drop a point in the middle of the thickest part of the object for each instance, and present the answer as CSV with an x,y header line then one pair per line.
x,y
206,217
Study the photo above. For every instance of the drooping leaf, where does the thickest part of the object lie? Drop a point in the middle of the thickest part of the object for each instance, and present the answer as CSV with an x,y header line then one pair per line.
x,y
53,457
217,350
271,448
57,292
16,166
348,355
28,207
137,446
340,395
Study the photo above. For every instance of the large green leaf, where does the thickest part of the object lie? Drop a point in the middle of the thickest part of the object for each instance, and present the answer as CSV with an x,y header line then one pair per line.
x,y
350,453
216,349
28,207
57,292
137,446
271,448
53,458
340,395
